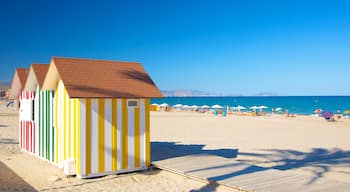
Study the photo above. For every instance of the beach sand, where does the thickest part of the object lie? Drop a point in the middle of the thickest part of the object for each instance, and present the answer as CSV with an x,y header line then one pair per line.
x,y
20,171
304,144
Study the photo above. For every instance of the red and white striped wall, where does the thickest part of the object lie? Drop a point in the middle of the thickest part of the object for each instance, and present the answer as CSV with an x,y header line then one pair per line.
x,y
27,128
27,136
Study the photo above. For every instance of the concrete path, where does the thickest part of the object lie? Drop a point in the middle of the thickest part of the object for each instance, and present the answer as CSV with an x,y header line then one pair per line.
x,y
238,175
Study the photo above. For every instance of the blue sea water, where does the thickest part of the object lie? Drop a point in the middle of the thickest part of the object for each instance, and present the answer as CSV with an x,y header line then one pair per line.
x,y
295,104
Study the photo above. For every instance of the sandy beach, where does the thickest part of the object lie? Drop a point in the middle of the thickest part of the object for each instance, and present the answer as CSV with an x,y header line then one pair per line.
x,y
20,171
304,144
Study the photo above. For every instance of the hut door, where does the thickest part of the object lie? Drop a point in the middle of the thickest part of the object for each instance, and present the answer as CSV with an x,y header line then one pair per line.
x,y
26,110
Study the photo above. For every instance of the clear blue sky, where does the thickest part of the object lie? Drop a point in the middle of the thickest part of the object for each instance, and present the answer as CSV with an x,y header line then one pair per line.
x,y
240,47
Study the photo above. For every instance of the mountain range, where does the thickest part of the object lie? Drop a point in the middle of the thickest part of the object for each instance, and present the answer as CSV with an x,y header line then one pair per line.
x,y
4,83
197,93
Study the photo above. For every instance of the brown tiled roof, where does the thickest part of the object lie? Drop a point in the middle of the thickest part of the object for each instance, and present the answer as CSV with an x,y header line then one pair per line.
x,y
18,82
40,71
86,78
22,75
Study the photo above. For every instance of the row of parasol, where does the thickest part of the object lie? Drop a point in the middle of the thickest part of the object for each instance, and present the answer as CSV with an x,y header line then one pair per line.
x,y
216,106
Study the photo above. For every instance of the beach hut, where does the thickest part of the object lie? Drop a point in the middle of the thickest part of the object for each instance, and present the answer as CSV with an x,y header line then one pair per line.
x,y
42,127
18,83
24,102
101,115
2,93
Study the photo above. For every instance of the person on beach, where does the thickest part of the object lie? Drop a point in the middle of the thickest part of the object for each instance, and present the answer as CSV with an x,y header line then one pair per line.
x,y
286,113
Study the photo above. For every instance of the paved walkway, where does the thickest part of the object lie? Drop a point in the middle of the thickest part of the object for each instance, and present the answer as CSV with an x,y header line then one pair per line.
x,y
238,175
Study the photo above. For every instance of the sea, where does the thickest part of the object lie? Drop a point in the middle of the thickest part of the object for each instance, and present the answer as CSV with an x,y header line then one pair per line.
x,y
304,105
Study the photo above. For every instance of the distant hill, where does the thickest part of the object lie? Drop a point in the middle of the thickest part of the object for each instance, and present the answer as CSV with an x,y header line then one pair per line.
x,y
5,84
4,88
186,93
197,93
193,93
266,94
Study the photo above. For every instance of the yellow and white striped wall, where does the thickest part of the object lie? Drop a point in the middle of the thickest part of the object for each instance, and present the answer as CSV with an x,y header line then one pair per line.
x,y
104,135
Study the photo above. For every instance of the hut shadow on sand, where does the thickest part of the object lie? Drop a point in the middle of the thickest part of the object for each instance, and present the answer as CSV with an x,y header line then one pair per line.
x,y
166,150
10,181
8,141
318,161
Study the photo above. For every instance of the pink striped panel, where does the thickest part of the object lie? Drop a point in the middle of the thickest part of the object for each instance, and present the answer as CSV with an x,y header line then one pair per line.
x,y
30,136
33,141
20,135
27,135
23,135
27,129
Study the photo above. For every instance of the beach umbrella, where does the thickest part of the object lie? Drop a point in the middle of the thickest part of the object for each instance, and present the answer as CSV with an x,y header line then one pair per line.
x,y
217,107
239,108
164,105
254,108
205,107
327,114
346,112
177,106
194,107
155,104
185,106
279,109
318,111
262,107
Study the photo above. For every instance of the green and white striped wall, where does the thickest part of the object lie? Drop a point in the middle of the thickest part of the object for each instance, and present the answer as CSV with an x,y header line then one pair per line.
x,y
44,120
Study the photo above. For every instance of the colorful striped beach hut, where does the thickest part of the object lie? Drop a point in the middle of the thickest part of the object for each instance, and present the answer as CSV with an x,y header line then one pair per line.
x,y
43,126
24,102
18,83
101,115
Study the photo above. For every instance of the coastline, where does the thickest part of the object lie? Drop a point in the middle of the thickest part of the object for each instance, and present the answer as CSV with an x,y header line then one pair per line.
x,y
300,105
